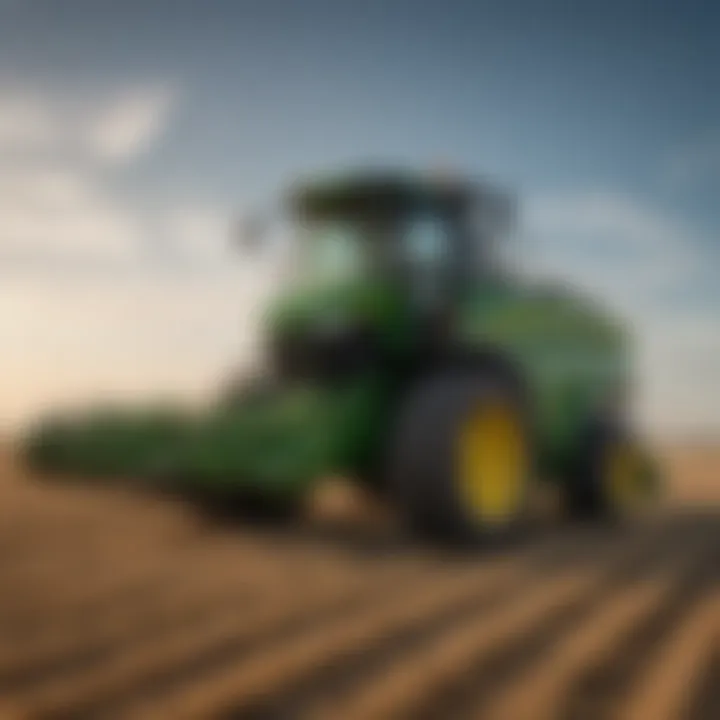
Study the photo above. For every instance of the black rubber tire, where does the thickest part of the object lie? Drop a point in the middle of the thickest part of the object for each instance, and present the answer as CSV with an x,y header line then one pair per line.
x,y
586,492
421,467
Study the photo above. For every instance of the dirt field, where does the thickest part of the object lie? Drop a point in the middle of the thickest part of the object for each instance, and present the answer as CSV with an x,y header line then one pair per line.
x,y
117,605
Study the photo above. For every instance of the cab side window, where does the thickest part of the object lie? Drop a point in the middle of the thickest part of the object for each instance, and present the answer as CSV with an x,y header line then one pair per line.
x,y
426,243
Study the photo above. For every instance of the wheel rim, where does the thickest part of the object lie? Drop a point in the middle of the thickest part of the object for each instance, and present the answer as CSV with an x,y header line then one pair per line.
x,y
493,464
624,479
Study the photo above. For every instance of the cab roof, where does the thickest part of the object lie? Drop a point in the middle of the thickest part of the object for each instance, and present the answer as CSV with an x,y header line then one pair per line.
x,y
385,191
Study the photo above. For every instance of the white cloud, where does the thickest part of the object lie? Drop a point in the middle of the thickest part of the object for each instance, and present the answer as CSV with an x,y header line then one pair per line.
x,y
593,212
680,355
612,245
128,125
115,126
55,202
25,122
197,232
51,211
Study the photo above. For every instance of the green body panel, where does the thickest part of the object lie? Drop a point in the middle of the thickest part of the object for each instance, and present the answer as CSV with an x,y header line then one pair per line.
x,y
285,441
572,358
379,304
107,443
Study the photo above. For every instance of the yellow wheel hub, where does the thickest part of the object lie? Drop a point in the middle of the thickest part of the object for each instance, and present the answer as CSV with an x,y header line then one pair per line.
x,y
492,466
623,478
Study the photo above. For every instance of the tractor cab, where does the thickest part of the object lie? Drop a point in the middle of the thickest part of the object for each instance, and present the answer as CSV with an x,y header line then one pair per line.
x,y
383,260
434,235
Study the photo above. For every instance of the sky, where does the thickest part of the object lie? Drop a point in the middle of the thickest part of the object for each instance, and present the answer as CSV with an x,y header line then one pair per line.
x,y
133,133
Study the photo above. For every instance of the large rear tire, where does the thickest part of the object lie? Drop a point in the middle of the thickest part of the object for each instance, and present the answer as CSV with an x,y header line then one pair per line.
x,y
461,461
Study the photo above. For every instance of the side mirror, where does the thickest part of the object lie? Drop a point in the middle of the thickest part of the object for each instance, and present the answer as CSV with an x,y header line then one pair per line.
x,y
494,217
249,234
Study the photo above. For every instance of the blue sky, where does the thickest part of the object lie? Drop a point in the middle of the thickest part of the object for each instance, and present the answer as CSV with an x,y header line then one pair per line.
x,y
140,125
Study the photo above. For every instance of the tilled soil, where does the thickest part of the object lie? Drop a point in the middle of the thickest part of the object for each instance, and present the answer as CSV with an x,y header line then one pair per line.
x,y
116,604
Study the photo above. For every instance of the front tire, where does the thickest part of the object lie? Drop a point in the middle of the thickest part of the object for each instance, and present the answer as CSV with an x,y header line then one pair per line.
x,y
460,464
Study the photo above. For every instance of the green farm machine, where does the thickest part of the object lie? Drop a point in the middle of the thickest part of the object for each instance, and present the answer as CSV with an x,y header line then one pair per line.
x,y
406,356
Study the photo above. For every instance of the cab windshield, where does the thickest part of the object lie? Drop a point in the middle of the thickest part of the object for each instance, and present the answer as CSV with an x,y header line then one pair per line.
x,y
341,249
336,250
